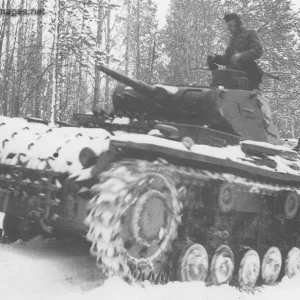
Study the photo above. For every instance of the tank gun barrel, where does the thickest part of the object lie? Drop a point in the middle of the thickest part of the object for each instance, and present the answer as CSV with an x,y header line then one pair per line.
x,y
139,86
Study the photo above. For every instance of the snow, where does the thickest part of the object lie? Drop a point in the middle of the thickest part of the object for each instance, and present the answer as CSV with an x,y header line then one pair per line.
x,y
2,215
46,269
170,89
290,143
233,153
38,143
63,269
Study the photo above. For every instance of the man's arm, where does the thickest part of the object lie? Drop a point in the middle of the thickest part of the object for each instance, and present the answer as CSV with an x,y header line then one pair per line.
x,y
224,59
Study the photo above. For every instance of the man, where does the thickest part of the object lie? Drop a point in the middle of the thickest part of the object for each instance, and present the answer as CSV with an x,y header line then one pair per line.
x,y
243,49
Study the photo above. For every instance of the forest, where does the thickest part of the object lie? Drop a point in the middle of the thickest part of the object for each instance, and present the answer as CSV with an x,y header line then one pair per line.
x,y
48,61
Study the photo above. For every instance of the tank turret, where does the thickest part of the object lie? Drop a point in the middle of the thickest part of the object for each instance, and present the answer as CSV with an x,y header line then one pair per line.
x,y
226,105
169,102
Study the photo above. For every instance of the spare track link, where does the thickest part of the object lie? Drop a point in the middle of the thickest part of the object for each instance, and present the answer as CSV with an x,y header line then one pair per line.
x,y
115,194
36,195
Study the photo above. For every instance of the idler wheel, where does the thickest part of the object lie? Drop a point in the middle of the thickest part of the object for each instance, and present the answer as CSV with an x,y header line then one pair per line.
x,y
227,197
222,265
291,205
192,263
292,263
249,269
271,266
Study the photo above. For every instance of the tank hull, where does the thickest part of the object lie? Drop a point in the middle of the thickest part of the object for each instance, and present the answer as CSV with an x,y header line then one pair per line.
x,y
152,206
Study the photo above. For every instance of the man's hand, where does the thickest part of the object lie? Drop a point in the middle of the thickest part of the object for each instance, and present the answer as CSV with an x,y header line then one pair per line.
x,y
210,62
235,58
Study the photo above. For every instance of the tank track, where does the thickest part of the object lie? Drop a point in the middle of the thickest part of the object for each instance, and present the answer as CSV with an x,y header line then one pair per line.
x,y
115,195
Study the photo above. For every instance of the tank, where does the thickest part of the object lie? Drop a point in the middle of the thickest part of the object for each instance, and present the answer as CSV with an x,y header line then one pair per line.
x,y
182,183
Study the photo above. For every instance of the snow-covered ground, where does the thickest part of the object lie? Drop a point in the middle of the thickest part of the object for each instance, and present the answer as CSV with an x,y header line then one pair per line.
x,y
48,268
53,269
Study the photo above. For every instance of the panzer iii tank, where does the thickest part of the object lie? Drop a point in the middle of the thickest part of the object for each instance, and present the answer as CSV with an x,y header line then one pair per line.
x,y
187,183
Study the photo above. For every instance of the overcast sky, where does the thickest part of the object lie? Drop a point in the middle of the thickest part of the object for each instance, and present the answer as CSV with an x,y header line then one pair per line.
x,y
164,4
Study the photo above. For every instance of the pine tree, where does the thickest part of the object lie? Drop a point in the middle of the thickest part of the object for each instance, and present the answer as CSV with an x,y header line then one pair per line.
x,y
142,36
192,32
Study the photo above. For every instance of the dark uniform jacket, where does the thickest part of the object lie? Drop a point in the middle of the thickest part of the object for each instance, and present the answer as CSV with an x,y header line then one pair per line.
x,y
247,43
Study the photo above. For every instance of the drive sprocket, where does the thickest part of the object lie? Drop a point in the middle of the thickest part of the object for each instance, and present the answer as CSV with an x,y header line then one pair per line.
x,y
133,217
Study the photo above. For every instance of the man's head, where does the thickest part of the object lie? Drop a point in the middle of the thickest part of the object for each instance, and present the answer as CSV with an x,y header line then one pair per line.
x,y
233,22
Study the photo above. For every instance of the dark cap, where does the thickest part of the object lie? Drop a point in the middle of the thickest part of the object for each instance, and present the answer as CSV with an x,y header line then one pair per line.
x,y
231,16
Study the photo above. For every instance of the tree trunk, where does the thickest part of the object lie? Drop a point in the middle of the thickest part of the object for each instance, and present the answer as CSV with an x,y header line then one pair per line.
x,y
127,38
107,78
96,102
138,53
6,66
38,95
60,69
55,39
81,58
2,32
20,66
152,58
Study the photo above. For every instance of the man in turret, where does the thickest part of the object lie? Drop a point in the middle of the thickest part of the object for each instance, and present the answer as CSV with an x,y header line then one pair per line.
x,y
243,49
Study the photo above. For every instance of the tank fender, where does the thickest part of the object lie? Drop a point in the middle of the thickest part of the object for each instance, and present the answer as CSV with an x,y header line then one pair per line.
x,y
102,161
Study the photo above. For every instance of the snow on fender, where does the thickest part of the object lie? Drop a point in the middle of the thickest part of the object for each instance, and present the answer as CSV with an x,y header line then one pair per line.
x,y
38,146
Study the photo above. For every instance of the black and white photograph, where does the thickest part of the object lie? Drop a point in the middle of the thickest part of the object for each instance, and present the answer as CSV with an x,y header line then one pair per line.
x,y
150,149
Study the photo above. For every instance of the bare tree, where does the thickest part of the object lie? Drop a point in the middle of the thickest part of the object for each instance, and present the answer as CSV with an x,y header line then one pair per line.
x,y
2,31
39,63
6,66
55,39
138,53
127,37
107,79
20,67
98,44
